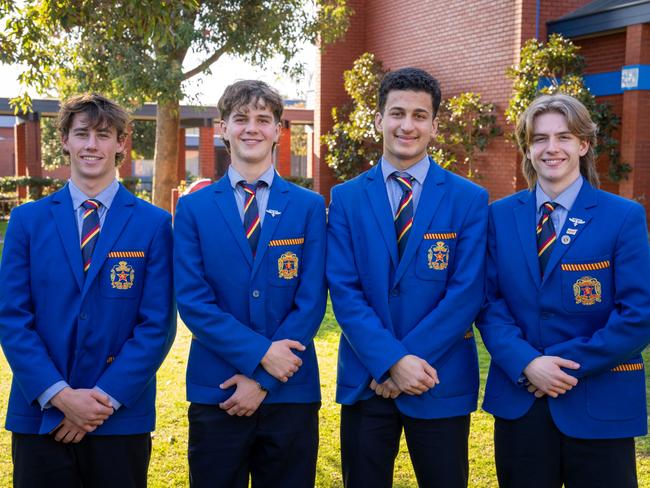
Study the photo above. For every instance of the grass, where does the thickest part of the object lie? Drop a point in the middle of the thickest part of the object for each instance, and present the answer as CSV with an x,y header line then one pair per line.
x,y
168,466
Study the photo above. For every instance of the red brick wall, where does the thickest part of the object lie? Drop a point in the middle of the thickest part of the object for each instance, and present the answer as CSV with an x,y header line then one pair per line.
x,y
328,83
603,53
207,162
284,151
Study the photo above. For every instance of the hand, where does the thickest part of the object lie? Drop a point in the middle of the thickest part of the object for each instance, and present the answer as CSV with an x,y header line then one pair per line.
x,y
67,431
545,374
413,375
534,390
247,397
279,360
387,389
86,408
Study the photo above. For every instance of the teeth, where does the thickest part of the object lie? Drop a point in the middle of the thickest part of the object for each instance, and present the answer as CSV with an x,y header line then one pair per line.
x,y
91,158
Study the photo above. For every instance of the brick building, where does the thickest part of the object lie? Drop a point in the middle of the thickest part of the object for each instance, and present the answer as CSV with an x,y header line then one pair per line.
x,y
468,46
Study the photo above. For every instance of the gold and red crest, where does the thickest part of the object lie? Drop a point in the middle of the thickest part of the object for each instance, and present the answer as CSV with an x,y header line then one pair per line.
x,y
587,291
122,276
288,266
438,256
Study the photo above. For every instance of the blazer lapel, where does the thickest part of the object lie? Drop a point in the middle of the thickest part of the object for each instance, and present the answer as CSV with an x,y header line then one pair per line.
x,y
66,223
116,218
378,198
432,192
278,199
577,219
225,200
525,219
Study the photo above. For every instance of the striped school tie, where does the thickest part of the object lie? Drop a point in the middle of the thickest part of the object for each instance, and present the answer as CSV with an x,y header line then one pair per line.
x,y
89,231
404,213
545,235
252,222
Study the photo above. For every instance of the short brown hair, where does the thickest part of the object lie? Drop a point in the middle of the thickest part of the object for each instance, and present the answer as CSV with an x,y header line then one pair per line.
x,y
579,122
100,111
241,93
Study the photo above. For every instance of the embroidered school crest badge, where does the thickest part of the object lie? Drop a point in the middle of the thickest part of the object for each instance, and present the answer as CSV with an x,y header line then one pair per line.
x,y
288,266
587,291
438,256
122,276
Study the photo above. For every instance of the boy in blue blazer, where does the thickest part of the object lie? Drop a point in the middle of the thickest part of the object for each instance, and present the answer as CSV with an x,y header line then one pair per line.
x,y
405,265
567,313
250,283
86,315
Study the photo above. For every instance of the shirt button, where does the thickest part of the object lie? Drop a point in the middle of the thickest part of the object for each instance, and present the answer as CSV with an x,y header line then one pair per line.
x,y
83,315
256,293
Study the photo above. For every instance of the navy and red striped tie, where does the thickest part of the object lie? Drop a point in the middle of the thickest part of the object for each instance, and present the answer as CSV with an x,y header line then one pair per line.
x,y
404,213
546,236
252,222
89,231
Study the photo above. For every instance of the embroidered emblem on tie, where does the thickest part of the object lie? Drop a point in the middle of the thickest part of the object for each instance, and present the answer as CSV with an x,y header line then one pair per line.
x,y
587,291
89,231
438,256
122,276
288,266
404,213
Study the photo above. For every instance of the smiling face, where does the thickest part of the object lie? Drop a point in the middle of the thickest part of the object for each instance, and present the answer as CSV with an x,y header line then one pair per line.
x,y
555,153
408,125
251,131
92,152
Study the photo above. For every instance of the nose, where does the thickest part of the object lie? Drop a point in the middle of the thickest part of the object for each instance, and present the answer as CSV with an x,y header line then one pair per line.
x,y
552,145
407,124
91,141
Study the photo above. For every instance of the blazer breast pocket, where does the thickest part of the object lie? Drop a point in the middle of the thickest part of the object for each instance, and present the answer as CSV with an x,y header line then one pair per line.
x,y
122,274
435,255
587,285
284,257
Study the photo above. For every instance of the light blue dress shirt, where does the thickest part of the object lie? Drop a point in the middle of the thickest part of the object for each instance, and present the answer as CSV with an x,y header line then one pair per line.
x,y
565,201
105,197
261,195
418,171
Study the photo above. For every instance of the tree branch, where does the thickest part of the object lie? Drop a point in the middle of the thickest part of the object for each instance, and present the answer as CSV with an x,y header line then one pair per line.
x,y
205,64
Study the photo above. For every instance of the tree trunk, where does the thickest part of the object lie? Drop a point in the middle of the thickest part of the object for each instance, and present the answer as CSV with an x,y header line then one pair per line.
x,y
166,153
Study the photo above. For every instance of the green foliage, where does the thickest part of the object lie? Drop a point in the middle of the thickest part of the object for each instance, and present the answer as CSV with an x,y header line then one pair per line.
x,y
143,137
298,140
37,186
557,67
466,126
301,181
130,183
353,143
51,150
135,51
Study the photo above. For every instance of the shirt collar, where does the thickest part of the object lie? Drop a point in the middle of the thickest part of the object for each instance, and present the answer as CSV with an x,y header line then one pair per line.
x,y
418,171
105,197
235,177
566,199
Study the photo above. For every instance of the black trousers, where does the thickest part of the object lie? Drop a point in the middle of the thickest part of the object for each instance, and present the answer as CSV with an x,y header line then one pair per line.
x,y
114,461
277,446
531,452
370,435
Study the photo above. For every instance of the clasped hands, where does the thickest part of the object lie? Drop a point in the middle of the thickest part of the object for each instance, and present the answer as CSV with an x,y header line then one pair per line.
x,y
545,376
279,361
84,410
411,375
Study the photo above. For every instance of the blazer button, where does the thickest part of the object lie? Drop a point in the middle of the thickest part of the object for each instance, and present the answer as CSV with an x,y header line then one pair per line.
x,y
547,315
256,293
394,292
83,315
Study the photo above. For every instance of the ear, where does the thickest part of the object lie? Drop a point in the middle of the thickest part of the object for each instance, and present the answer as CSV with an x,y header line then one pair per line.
x,y
434,127
64,142
584,147
121,143
224,129
379,121
278,131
